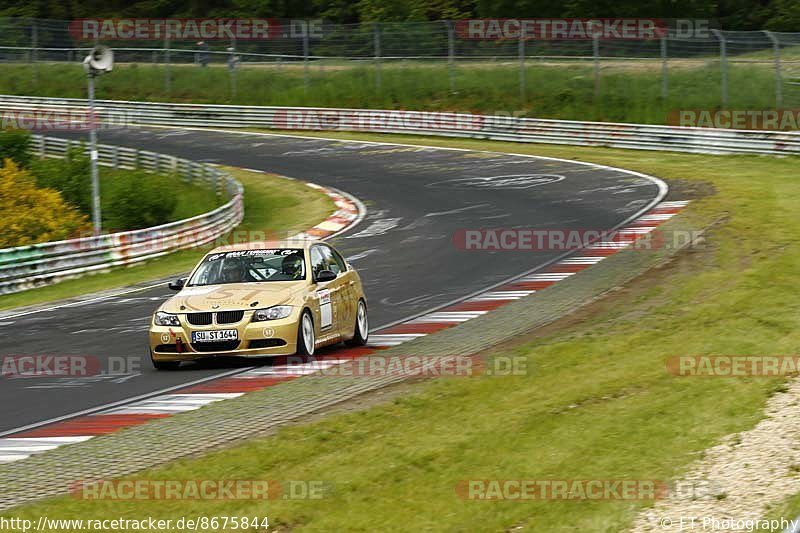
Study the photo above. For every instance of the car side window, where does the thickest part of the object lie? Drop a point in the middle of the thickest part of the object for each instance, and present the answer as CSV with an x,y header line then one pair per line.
x,y
318,260
335,261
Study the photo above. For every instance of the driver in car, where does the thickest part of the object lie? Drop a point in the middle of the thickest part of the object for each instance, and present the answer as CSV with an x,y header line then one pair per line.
x,y
232,271
292,266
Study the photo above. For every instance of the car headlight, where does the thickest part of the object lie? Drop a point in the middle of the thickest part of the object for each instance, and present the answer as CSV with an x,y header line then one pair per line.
x,y
166,319
272,313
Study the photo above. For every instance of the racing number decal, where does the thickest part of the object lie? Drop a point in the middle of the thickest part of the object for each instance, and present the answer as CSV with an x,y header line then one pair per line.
x,y
325,310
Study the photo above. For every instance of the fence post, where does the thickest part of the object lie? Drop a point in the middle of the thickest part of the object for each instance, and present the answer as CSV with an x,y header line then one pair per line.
x,y
522,63
776,45
664,88
451,54
376,30
167,79
723,62
305,62
34,46
596,59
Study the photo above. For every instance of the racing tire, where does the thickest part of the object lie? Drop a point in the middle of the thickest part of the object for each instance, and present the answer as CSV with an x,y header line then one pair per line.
x,y
305,334
362,326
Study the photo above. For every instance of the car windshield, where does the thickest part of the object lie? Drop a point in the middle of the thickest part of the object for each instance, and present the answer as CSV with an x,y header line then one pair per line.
x,y
245,266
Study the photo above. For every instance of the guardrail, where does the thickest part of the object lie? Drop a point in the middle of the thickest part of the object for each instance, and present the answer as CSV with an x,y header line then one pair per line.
x,y
26,267
503,128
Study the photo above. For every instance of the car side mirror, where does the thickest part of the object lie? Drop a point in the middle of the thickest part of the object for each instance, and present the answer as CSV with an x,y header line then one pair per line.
x,y
177,284
326,275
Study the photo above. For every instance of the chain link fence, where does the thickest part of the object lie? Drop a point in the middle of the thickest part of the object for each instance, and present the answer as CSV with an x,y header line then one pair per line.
x,y
309,49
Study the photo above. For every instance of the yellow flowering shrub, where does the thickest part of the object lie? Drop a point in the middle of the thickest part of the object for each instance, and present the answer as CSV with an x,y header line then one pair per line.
x,y
29,214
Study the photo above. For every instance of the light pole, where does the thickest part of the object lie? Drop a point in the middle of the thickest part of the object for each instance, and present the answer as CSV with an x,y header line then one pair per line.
x,y
99,60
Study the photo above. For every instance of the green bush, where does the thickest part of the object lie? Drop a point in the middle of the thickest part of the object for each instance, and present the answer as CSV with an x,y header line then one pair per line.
x,y
134,199
71,177
15,145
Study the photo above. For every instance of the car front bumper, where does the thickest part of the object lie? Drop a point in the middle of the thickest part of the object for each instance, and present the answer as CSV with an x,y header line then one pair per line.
x,y
255,339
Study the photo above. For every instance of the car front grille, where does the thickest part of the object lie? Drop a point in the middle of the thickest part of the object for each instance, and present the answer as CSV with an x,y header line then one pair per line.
x,y
223,317
220,346
199,319
229,317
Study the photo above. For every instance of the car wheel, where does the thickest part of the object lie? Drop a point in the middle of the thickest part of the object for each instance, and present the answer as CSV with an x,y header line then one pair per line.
x,y
164,365
362,326
305,334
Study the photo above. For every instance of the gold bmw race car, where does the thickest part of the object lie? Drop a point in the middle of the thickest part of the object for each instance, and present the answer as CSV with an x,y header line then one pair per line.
x,y
260,300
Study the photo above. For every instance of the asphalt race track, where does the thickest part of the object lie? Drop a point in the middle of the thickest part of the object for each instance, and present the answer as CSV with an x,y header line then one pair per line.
x,y
416,198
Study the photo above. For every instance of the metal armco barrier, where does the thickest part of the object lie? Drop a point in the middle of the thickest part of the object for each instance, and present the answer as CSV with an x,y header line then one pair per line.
x,y
26,267
503,128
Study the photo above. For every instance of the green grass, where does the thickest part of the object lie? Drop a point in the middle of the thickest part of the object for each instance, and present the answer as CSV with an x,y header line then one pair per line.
x,y
628,91
273,205
597,404
192,199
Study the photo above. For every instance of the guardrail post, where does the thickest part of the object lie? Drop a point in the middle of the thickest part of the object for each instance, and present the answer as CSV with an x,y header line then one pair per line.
x,y
167,78
451,54
776,46
376,30
115,156
723,63
135,158
522,64
664,67
42,146
305,62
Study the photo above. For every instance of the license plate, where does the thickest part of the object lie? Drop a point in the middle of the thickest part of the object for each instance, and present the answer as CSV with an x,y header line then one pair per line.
x,y
215,335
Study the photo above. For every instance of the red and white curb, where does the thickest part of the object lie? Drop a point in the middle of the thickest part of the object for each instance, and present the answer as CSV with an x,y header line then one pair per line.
x,y
349,212
27,443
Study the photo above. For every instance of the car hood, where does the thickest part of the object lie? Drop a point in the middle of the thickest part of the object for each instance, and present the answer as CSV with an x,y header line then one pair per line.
x,y
232,296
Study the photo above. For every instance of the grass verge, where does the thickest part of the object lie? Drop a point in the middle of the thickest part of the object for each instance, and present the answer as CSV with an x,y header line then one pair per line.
x,y
627,91
598,402
271,206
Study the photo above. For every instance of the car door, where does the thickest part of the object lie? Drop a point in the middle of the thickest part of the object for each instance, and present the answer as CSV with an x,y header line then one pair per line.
x,y
346,305
326,294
